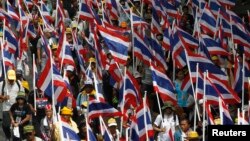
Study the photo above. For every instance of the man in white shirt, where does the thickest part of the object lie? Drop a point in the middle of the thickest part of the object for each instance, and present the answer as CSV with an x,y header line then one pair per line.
x,y
9,90
167,121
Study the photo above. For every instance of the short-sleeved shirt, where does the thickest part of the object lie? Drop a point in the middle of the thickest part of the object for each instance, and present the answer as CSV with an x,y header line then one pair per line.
x,y
19,113
168,123
12,92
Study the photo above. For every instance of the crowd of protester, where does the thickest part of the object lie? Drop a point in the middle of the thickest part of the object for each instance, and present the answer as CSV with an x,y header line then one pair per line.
x,y
28,111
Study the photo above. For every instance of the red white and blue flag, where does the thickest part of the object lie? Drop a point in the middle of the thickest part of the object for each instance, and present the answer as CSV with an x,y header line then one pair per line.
x,y
118,45
224,114
163,85
69,133
97,108
11,11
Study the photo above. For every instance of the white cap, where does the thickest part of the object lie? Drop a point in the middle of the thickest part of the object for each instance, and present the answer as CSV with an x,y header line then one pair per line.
x,y
70,68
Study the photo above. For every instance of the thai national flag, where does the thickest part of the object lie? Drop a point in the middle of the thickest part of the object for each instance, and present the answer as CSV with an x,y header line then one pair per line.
x,y
155,24
68,58
240,36
29,3
118,45
138,21
90,134
115,72
11,40
144,123
60,16
23,44
69,133
62,90
97,108
203,51
118,30
23,17
106,18
224,114
186,85
188,41
228,95
200,4
238,75
170,9
141,49
44,82
208,21
105,132
158,7
226,27
112,6
205,65
134,131
213,47
131,92
45,13
227,3
12,12
31,30
209,114
177,49
8,58
163,85
242,118
215,6
69,99
159,56
212,94
166,38
85,12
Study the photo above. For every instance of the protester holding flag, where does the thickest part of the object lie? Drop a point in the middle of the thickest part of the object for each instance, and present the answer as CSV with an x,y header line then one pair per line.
x,y
112,127
46,125
66,114
166,122
41,101
9,90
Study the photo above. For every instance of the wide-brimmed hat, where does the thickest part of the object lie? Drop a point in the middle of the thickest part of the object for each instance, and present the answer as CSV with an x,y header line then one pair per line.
x,y
168,104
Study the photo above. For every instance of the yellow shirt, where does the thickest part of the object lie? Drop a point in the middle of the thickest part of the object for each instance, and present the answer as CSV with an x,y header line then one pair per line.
x,y
56,134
